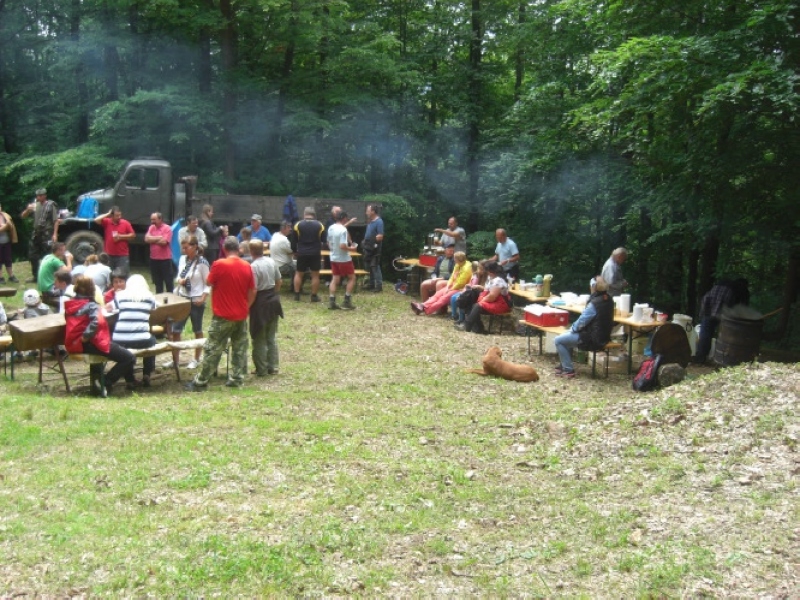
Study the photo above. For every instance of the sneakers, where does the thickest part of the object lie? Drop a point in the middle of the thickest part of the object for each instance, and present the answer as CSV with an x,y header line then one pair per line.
x,y
97,389
31,280
566,374
334,306
297,296
272,371
195,387
170,364
13,279
460,326
348,304
314,298
192,365
232,384
417,308
2,279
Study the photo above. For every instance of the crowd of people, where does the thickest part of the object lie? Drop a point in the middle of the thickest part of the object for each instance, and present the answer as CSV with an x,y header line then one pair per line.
x,y
243,276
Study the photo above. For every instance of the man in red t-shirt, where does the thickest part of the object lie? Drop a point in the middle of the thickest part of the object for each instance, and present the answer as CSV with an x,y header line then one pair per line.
x,y
233,290
117,232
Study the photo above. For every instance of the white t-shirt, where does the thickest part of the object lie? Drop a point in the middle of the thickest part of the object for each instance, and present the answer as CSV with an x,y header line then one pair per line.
x,y
337,235
280,249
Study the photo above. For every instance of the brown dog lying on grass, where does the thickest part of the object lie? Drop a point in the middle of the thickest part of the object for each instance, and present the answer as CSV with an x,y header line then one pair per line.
x,y
493,364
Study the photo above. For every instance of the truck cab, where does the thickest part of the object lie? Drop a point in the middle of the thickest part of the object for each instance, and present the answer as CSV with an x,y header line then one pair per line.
x,y
144,186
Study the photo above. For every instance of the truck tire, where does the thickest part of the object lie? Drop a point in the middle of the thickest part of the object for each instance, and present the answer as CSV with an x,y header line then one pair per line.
x,y
83,243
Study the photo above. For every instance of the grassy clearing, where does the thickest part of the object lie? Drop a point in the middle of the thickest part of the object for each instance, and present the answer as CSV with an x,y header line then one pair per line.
x,y
374,465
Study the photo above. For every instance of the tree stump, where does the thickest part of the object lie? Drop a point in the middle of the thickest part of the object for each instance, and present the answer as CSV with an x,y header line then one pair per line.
x,y
670,374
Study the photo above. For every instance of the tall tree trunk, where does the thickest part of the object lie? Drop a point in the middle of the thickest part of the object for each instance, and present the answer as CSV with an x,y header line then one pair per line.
x,y
273,146
519,68
7,124
228,45
474,113
790,290
111,62
82,119
132,81
691,283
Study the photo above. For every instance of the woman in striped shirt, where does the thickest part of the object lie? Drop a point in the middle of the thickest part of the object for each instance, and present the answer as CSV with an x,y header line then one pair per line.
x,y
135,303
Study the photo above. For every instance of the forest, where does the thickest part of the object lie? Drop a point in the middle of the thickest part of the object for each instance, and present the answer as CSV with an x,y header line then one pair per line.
x,y
578,125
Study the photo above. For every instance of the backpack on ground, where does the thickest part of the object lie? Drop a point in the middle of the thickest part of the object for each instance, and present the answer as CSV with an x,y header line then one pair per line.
x,y
647,377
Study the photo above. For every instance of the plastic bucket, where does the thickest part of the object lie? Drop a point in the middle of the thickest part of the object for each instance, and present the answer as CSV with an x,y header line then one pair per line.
x,y
738,340
684,321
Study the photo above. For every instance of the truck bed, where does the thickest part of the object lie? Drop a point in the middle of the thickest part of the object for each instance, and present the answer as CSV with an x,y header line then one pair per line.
x,y
236,209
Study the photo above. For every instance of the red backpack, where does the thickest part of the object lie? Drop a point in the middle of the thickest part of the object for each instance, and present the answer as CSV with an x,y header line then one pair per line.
x,y
647,377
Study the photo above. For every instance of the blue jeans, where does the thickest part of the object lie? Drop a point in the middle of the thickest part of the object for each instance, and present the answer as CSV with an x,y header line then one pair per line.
x,y
564,345
707,327
457,313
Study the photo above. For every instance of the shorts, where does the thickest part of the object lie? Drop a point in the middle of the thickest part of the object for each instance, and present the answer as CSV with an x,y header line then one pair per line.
x,y
310,262
195,316
342,269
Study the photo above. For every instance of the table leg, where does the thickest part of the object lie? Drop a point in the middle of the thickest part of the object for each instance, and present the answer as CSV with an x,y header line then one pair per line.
x,y
630,351
61,368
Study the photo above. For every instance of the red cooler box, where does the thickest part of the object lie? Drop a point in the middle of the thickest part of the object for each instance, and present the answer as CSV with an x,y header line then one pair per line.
x,y
427,260
545,316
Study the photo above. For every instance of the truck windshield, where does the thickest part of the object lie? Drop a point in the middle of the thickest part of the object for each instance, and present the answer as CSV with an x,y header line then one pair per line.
x,y
142,178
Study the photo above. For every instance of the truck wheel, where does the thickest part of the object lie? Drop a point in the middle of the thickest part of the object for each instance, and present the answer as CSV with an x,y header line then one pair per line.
x,y
83,243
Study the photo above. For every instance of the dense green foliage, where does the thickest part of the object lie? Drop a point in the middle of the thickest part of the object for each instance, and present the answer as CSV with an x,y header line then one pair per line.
x,y
578,125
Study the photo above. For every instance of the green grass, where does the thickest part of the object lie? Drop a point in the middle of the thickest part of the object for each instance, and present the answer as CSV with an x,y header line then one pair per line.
x,y
374,465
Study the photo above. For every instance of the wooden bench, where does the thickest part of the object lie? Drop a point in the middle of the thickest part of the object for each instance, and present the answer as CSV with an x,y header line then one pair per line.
x,y
156,350
329,273
359,273
505,317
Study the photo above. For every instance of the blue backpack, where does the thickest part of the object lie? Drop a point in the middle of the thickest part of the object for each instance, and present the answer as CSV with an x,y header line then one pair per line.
x,y
88,208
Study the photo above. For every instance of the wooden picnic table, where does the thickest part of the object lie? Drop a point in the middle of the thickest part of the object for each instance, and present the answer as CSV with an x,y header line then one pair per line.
x,y
635,329
170,307
527,295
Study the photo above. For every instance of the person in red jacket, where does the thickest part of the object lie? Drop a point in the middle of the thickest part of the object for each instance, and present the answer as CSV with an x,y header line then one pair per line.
x,y
87,333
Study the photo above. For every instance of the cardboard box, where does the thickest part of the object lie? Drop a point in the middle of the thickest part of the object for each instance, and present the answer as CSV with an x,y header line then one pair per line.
x,y
546,316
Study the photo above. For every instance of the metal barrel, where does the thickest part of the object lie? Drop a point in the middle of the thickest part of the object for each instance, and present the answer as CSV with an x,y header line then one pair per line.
x,y
738,340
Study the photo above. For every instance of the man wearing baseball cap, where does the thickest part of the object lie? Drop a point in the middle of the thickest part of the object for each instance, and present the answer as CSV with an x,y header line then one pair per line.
x,y
257,231
45,229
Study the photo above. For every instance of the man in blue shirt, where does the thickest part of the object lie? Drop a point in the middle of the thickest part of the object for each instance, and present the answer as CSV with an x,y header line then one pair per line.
x,y
373,240
506,254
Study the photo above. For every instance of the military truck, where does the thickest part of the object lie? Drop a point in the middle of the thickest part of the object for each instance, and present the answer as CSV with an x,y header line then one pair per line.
x,y
147,185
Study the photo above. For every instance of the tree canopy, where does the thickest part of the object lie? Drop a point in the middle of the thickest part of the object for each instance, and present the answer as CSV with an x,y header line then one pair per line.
x,y
578,125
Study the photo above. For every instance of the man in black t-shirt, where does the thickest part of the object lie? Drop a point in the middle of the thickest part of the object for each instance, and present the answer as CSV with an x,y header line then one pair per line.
x,y
309,251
